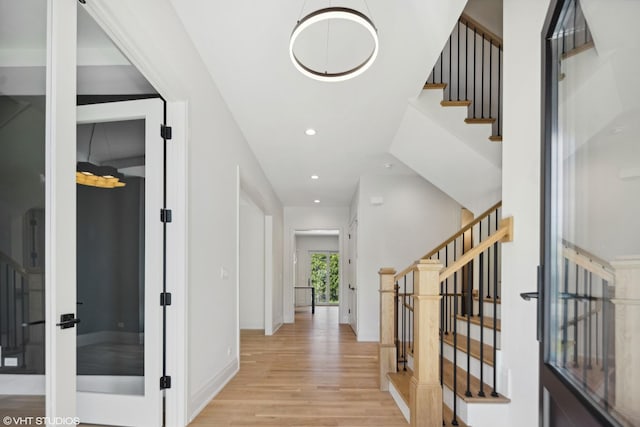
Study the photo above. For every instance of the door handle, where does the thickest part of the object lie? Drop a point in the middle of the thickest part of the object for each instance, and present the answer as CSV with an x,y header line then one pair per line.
x,y
527,296
68,321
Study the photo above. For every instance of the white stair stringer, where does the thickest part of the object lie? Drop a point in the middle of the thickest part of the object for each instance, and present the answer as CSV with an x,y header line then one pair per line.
x,y
426,144
402,405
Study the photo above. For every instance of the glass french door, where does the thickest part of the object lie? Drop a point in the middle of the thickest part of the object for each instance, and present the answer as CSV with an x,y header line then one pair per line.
x,y
119,263
590,272
324,276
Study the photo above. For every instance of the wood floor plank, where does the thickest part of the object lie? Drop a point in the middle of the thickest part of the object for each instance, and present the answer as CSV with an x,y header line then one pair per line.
x,y
311,373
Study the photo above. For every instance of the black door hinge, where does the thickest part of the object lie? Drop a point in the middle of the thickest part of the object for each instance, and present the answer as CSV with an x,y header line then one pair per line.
x,y
165,298
165,382
349,311
165,132
349,261
165,215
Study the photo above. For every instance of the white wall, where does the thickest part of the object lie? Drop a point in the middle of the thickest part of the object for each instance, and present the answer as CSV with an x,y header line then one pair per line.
x,y
312,218
305,244
415,217
487,13
251,268
216,149
523,21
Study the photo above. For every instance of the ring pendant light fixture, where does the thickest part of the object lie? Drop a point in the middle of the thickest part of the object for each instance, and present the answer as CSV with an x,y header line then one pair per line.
x,y
327,14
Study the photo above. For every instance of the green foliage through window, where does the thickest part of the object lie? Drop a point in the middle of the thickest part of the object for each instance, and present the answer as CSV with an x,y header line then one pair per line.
x,y
325,271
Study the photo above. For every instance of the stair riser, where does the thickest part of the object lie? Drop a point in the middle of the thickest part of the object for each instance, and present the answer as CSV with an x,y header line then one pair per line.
x,y
475,364
475,333
447,398
488,308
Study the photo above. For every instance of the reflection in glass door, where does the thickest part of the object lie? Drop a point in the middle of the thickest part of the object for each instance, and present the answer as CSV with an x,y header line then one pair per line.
x,y
591,264
325,277
22,207
110,260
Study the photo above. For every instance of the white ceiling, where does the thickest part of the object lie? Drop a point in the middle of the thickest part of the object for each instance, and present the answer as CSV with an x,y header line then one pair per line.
x,y
244,44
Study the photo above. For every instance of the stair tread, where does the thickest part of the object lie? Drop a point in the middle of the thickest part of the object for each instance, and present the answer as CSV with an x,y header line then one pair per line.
x,y
401,381
495,138
474,120
435,86
460,103
461,345
474,385
487,299
488,321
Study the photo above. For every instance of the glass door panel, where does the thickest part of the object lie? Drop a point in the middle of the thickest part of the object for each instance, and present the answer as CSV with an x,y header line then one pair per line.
x,y
22,207
592,254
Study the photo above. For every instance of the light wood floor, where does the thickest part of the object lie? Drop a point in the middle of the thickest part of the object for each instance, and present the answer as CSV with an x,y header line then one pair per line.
x,y
311,373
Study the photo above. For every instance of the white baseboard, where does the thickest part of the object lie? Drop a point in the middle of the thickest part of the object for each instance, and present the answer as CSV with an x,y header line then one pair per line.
x,y
28,385
201,399
276,327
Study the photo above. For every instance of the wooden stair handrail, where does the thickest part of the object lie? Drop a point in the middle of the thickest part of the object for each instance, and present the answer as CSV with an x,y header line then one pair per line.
x,y
587,261
503,234
17,267
462,231
481,30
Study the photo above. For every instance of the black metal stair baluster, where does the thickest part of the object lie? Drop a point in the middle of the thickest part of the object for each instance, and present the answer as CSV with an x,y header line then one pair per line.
x,y
441,64
411,317
575,320
481,314
475,98
449,82
482,78
466,61
458,65
494,392
479,288
404,329
454,421
584,328
499,90
469,314
490,78
605,342
496,257
590,311
396,300
565,316
446,295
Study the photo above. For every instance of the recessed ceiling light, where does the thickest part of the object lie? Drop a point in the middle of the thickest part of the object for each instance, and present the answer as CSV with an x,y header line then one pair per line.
x,y
316,201
388,165
310,132
315,177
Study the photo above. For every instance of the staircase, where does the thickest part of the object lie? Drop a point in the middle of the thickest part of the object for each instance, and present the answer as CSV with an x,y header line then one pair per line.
x,y
457,118
21,300
447,304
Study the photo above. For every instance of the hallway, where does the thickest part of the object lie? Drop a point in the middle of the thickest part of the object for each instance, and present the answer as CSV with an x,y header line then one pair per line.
x,y
310,373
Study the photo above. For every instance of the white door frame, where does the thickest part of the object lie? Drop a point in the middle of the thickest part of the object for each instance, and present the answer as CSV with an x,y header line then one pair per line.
x,y
60,207
61,217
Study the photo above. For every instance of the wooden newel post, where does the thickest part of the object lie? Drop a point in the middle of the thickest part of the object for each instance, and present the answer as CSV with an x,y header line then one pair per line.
x,y
387,355
425,392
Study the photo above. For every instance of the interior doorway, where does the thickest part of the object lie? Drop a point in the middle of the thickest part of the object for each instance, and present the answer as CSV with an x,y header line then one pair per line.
x,y
318,269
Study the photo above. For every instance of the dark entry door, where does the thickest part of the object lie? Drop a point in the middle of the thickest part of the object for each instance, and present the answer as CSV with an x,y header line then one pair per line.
x,y
590,268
